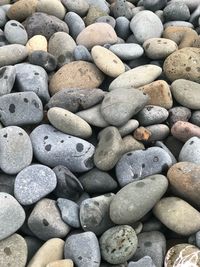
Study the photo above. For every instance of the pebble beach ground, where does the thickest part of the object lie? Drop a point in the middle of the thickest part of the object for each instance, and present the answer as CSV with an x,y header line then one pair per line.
x,y
99,133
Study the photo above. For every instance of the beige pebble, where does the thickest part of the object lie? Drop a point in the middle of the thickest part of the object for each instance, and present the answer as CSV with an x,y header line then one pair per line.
x,y
37,42
61,263
22,9
51,7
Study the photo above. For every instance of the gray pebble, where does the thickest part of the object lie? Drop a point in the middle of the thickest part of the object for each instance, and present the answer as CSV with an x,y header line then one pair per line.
x,y
53,148
33,183
101,4
195,118
12,54
178,114
69,212
81,53
154,5
75,24
80,7
127,51
7,183
163,146
107,19
20,109
176,11
15,32
145,261
128,127
157,132
122,8
122,27
191,150
43,59
7,79
12,215
159,13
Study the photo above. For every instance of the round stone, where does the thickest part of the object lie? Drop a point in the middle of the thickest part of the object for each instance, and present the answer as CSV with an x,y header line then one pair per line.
x,y
20,10
127,51
178,114
37,42
191,151
80,7
15,32
51,7
154,5
185,130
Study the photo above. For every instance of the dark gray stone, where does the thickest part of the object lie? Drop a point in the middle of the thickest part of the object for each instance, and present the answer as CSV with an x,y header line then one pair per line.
x,y
7,183
154,5
195,118
75,24
194,18
176,11
43,59
121,8
33,244
7,79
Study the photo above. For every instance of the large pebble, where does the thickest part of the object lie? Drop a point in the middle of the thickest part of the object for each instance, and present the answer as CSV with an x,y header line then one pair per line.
x,y
51,7
37,178
20,10
37,42
16,149
191,150
178,114
155,4
118,244
176,11
75,23
53,148
83,249
127,51
185,130
12,215
134,200
7,79
12,54
122,27
121,8
135,165
80,7
173,211
15,33
146,25
77,74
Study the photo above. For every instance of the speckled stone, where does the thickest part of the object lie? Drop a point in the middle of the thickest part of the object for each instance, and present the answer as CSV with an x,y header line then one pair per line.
x,y
7,79
176,11
43,59
185,130
178,114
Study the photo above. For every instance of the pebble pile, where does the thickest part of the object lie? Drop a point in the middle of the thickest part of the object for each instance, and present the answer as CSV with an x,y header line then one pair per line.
x,y
100,133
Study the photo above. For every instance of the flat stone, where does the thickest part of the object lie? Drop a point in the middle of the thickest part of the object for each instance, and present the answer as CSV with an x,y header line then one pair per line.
x,y
133,201
13,251
127,51
37,42
136,77
176,11
20,10
77,74
15,32
75,23
185,130
45,220
83,249
12,215
178,114
16,149
12,54
80,7
51,7
173,211
7,79
69,212
191,151
43,59
20,109
61,263
36,178
53,148
145,261
135,165
118,244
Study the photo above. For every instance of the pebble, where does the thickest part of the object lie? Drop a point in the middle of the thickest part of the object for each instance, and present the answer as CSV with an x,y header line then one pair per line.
x,y
12,216
163,146
146,25
154,5
12,54
176,11
135,165
172,211
122,27
69,212
178,23
15,32
33,245
83,249
185,130
128,127
94,214
191,150
51,7
3,18
37,43
75,23
77,74
45,221
195,118
118,244
79,7
13,251
131,144
145,261
43,59
157,132
93,14
134,201
53,148
61,263
69,123
127,51
178,114
81,53
107,19
7,79
101,4
36,178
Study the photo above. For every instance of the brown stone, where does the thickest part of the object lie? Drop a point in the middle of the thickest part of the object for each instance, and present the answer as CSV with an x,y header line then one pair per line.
x,y
184,130
142,134
22,9
129,143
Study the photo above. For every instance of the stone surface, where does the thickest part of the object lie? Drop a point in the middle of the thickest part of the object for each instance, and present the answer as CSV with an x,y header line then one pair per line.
x,y
80,7
191,150
145,261
43,59
176,11
12,54
20,10
75,23
33,245
37,42
178,114
51,7
15,32
61,263
7,183
154,5
127,51
128,127
185,130
7,79
81,53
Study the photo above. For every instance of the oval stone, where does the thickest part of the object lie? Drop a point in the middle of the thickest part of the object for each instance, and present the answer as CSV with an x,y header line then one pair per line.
x,y
184,130
191,150
37,42
51,7
15,33
20,10
12,54
127,51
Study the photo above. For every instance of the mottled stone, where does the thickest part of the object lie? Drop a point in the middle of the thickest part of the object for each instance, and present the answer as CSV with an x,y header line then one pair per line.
x,y
178,114
185,130
7,79
145,261
43,59
176,11
80,7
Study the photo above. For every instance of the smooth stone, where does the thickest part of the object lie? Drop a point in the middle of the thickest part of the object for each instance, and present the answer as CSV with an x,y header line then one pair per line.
x,y
126,206
101,4
127,51
7,183
152,114
36,178
192,4
174,145
176,11
159,94
159,48
45,220
77,74
12,54
183,60
69,212
20,11
108,150
83,249
157,132
7,79
154,5
173,211
178,23
185,130
12,215
118,244
122,27
69,123
163,146
32,78
182,254
68,186
13,251
53,148
152,225
16,149
75,23
37,43
195,118
51,7
136,77
151,244
136,165
93,14
81,53
97,34
146,25
43,24
122,8
145,261
43,59
97,181
61,45
178,114
61,263
51,250
3,17
107,19
20,109
128,127
93,116
33,245
107,61
79,7
120,105
76,99
15,32
191,151
131,144
94,214
187,93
